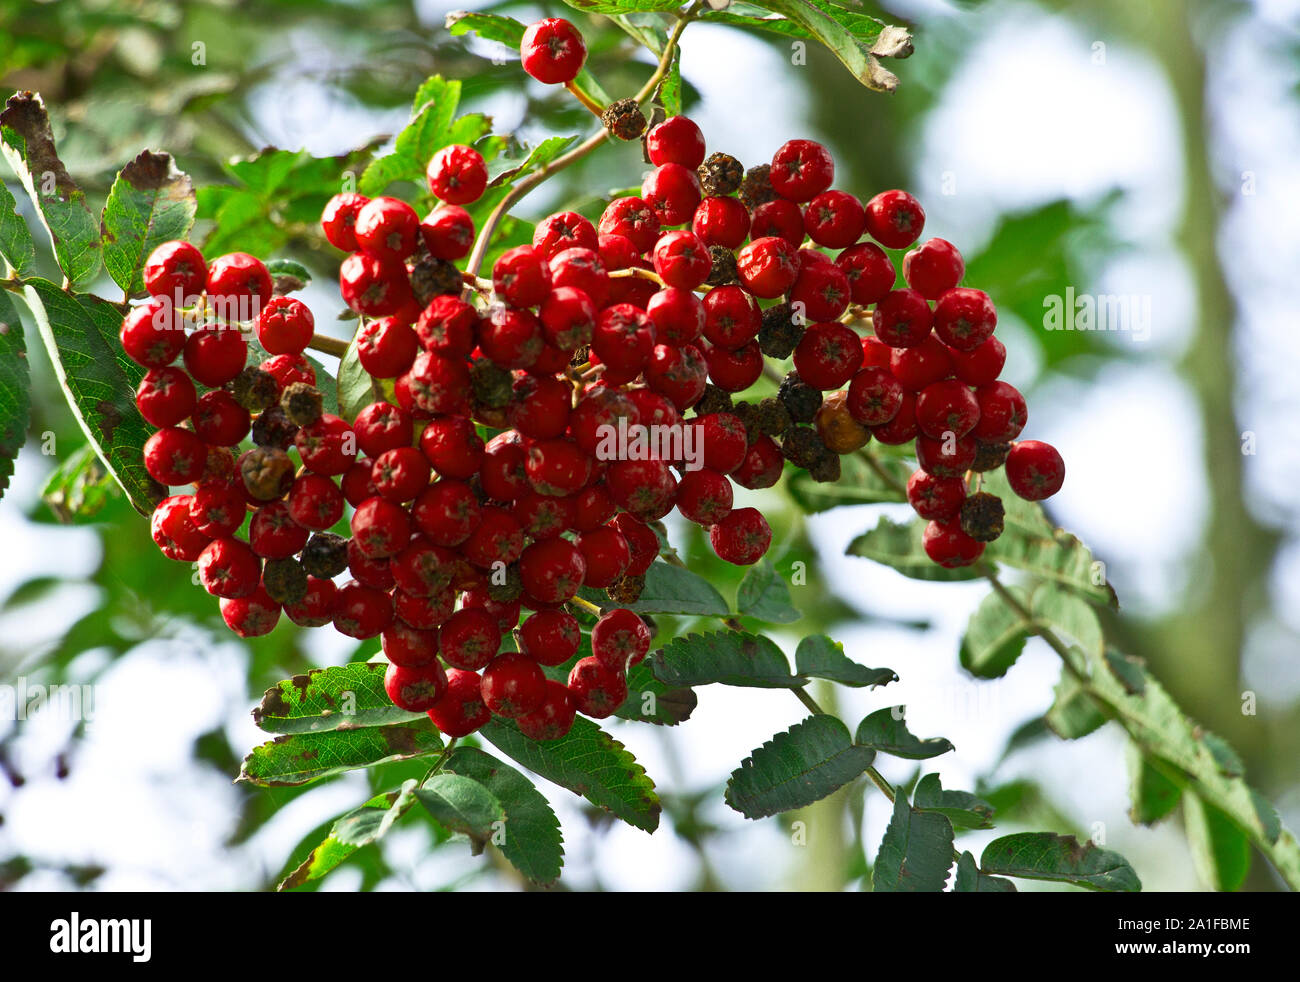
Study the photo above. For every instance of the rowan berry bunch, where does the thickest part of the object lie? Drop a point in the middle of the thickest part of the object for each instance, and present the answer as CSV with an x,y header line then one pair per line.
x,y
496,476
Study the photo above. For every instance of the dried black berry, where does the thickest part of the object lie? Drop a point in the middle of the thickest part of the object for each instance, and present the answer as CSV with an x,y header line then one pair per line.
x,y
302,403
826,469
273,428
801,400
325,555
285,580
990,456
982,516
747,413
780,333
490,383
756,188
714,400
508,589
626,589
624,119
723,270
773,418
432,277
253,389
267,472
803,447
721,174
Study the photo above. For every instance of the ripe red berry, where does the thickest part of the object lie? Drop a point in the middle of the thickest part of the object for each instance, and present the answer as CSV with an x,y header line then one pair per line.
x,y
682,260
895,219
229,568
641,540
316,608
673,193
522,277
620,639
597,690
581,269
823,291
176,270
452,446
387,228
875,397
434,384
175,457
153,333
563,230
767,267
218,420
498,538
287,369
165,396
606,555
946,544
417,690
933,268
780,218
871,274
553,717
423,569
735,371
877,354
457,175
552,570
742,537
927,363
273,534
623,338
632,218
731,318
592,506
513,685
947,457
721,221
448,326
1003,413
677,316
372,286
568,317
251,616
409,647
215,354
705,496
762,465
218,509
470,639
828,355
448,232
327,446
1035,470
947,407
424,613
382,426
902,428
550,637
461,710
339,219
284,326
964,319
678,373
835,219
902,319
981,365
362,611
677,140
356,484
935,498
375,573
446,512
315,502
400,474
380,528
174,530
553,51
801,170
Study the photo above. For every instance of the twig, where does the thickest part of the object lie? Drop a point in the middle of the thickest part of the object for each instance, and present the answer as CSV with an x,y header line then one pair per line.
x,y
330,346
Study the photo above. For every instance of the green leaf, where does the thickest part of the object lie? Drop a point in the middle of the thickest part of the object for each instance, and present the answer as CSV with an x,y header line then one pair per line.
x,y
916,852
300,758
492,27
622,6
673,590
461,804
804,764
505,170
350,832
346,697
899,546
15,393
764,595
289,268
532,840
650,701
1069,615
81,337
963,809
150,203
1062,858
356,388
886,730
728,657
1153,794
995,636
16,243
1073,713
589,762
819,657
79,487
816,21
28,145
670,89
971,880
859,484
1220,850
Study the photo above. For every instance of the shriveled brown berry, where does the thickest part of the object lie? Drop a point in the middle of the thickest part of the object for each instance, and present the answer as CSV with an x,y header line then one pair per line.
x,y
325,555
826,469
432,277
747,413
273,428
721,174
836,426
624,119
220,465
285,580
626,589
253,389
803,447
302,403
723,271
714,400
772,418
801,399
490,384
267,472
756,188
990,456
507,589
982,516
781,331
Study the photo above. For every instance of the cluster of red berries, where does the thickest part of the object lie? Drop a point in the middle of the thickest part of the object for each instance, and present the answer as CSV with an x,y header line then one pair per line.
x,y
498,474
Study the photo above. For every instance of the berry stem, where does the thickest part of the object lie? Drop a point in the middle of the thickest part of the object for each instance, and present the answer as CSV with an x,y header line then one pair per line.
x,y
591,104
442,759
330,346
637,272
586,605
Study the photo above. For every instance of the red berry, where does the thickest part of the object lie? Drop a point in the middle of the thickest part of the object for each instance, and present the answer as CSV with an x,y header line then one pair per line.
x,y
400,474
448,232
552,570
871,274
563,230
424,613
948,407
682,260
875,397
448,326
677,373
731,318
946,544
174,530
387,229
386,347
927,363
721,221
762,465
606,555
835,219
620,639
287,369
876,354
513,685
902,428
452,446
677,316
316,608
238,286
328,446
422,569
380,528
315,502
964,319
165,396
215,354
801,169
542,516
434,384
251,616
592,506
673,193
742,537
902,319
284,326
457,175
417,690
446,512
981,365
461,710
704,496
723,439
948,457
1035,470
553,717
506,612
623,337
933,268
175,457
779,218
382,426
375,573
153,333
568,317
218,420
827,355
823,291
936,498
374,287
1003,413
502,472
339,219
470,638
767,267
677,140
522,276
498,538
553,51
895,219
409,647
631,217
176,270
217,509
229,568
550,637
362,611
646,488
735,371
356,484
273,534
597,691
641,540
